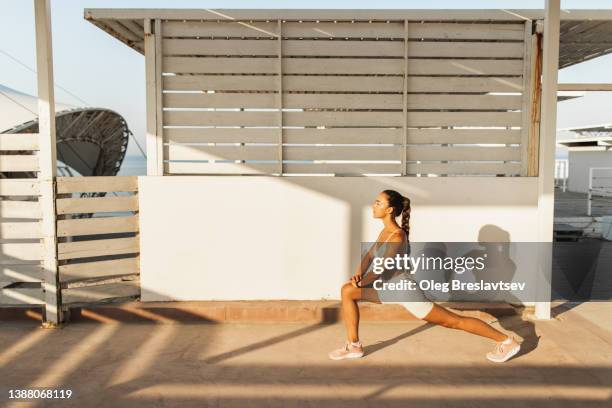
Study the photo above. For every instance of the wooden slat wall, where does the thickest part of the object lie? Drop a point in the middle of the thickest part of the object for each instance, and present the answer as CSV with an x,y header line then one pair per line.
x,y
20,213
94,252
441,98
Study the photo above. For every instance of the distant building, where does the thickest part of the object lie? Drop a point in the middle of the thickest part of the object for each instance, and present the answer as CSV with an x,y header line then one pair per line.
x,y
592,148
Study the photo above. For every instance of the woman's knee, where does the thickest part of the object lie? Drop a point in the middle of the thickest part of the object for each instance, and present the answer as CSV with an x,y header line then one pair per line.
x,y
348,291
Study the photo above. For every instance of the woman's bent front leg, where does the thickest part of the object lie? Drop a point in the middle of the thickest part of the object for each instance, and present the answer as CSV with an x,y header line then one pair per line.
x,y
350,310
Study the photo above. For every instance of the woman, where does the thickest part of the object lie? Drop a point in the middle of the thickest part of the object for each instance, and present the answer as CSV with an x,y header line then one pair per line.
x,y
388,205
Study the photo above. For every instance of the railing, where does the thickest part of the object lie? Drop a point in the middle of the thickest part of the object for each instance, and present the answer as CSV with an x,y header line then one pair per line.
x,y
561,173
600,186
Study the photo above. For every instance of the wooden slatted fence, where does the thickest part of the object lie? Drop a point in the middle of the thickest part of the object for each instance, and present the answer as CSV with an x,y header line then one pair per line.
x,y
98,242
21,252
346,98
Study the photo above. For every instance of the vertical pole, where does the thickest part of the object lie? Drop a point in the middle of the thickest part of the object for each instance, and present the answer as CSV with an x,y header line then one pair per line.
x,y
405,100
159,137
279,103
548,135
590,195
47,160
151,95
526,105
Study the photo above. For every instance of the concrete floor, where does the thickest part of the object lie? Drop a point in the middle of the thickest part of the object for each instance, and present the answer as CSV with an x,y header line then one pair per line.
x,y
565,362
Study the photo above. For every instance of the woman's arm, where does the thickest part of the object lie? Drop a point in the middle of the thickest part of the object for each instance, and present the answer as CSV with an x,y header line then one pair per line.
x,y
390,252
366,260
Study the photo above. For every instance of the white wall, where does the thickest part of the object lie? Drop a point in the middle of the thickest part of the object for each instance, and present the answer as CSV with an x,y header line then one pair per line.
x,y
579,163
254,237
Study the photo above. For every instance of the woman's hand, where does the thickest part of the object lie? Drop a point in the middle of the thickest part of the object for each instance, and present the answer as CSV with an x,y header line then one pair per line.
x,y
356,278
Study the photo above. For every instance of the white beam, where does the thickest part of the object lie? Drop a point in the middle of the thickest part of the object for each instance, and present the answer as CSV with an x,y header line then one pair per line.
x,y
548,130
151,98
47,160
584,87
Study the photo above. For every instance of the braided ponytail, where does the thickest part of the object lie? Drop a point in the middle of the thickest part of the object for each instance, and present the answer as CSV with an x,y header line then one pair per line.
x,y
406,217
401,205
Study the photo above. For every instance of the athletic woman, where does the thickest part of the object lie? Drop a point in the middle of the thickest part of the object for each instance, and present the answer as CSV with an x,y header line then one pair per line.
x,y
388,205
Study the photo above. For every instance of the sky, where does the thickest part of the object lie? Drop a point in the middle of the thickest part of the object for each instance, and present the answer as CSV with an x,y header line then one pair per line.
x,y
103,72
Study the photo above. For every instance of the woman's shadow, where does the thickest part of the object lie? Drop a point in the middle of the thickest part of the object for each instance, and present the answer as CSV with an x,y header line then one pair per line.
x,y
495,243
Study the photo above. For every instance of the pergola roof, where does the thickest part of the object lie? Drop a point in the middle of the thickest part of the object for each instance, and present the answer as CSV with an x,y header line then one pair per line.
x,y
585,34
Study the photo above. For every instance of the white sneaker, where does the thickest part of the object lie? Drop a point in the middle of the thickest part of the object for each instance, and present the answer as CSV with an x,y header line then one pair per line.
x,y
349,350
504,350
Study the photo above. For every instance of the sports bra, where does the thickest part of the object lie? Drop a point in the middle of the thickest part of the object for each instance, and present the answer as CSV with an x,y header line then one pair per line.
x,y
380,251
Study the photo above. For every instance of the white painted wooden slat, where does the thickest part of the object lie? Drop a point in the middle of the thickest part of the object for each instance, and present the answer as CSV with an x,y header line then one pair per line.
x,y
343,101
464,102
343,48
459,31
17,187
21,296
463,168
219,83
462,153
387,119
482,119
219,29
219,47
19,209
464,67
96,204
97,225
465,49
19,141
290,29
250,135
96,184
290,47
465,84
22,251
20,230
465,136
341,83
178,152
88,270
194,152
219,65
19,162
342,66
21,273
343,168
195,118
87,295
343,136
342,153
343,30
98,247
220,135
219,168
220,100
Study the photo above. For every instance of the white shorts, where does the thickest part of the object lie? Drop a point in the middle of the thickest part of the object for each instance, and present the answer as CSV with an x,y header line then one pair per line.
x,y
418,309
